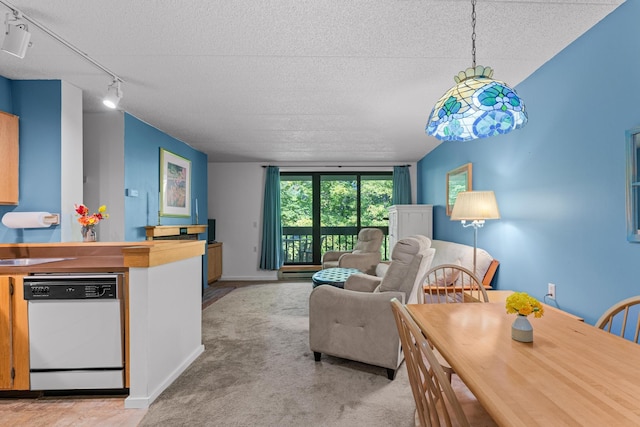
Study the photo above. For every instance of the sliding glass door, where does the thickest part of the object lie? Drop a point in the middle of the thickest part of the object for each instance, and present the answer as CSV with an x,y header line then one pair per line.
x,y
325,211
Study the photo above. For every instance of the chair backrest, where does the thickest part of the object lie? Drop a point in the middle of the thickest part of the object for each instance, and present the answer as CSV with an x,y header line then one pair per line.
x,y
410,259
369,240
622,314
436,402
451,283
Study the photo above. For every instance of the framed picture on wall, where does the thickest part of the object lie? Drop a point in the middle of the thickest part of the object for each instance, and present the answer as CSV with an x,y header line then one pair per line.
x,y
458,180
175,185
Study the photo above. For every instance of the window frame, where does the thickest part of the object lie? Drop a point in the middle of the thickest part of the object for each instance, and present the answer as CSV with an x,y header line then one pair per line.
x,y
315,179
633,186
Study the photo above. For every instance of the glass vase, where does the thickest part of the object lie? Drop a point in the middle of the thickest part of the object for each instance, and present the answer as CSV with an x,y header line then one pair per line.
x,y
89,233
521,329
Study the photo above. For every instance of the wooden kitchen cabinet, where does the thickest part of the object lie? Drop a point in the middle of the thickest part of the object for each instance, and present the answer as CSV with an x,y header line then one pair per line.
x,y
214,263
9,156
14,335
6,344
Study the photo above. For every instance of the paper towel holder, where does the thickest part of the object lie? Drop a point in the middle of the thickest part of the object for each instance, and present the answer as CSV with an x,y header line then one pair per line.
x,y
52,219
30,219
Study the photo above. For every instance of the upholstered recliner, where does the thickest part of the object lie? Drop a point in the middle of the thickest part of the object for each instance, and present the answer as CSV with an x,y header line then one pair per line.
x,y
364,256
356,322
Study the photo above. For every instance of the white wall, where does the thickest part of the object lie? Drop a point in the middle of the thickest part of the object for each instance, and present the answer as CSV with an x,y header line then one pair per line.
x,y
235,202
165,332
104,171
70,157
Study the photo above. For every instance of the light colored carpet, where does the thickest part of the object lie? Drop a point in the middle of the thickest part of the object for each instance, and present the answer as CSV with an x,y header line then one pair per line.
x,y
257,370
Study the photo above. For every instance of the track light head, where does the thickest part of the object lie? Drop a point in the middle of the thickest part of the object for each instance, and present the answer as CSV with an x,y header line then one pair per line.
x,y
114,94
17,35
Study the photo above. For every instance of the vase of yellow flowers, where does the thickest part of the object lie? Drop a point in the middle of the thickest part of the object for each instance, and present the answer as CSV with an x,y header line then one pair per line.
x,y
523,305
89,221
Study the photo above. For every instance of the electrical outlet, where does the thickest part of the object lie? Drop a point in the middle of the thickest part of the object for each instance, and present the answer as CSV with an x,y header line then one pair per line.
x,y
551,291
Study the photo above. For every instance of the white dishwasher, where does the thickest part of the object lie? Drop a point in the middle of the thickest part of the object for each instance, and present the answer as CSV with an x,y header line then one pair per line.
x,y
75,331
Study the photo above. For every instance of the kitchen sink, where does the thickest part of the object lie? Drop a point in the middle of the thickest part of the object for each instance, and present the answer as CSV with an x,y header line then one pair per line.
x,y
19,262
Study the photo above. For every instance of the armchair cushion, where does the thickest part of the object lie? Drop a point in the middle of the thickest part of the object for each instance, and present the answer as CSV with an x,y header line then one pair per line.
x,y
362,282
369,240
333,256
364,261
381,269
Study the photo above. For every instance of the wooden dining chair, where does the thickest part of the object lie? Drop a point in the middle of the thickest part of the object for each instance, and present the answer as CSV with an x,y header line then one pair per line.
x,y
437,403
618,315
451,283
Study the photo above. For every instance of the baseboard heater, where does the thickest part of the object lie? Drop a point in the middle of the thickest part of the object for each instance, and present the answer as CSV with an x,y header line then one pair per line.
x,y
295,274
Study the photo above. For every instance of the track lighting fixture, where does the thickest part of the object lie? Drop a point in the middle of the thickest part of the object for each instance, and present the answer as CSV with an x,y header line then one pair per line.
x,y
16,35
17,38
114,94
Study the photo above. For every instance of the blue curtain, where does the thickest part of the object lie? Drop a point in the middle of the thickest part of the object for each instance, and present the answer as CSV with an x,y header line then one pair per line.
x,y
271,257
401,194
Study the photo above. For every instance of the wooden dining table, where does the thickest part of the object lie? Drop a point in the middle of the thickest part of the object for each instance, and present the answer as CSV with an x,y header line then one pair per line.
x,y
572,374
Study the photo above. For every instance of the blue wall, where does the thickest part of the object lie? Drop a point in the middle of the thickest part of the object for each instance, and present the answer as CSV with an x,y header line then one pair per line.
x,y
560,181
38,103
5,95
142,172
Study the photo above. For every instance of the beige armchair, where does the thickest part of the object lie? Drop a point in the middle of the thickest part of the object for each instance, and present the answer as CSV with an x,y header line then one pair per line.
x,y
356,322
364,256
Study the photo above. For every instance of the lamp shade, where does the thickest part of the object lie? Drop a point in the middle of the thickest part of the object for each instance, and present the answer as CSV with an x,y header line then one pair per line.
x,y
476,107
475,205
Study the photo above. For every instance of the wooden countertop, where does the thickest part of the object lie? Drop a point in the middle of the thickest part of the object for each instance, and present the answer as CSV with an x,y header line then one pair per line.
x,y
83,264
162,252
99,256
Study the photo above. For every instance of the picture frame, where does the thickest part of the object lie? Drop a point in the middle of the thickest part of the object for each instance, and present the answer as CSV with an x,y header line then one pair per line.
x,y
458,180
175,185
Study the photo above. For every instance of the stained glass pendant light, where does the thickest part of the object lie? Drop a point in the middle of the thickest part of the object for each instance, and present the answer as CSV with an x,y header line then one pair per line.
x,y
477,106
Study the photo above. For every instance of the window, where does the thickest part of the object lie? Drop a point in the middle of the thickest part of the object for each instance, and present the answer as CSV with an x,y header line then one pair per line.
x,y
633,185
325,211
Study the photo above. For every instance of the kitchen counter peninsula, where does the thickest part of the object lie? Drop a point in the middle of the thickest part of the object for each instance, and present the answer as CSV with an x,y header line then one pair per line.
x,y
98,256
161,299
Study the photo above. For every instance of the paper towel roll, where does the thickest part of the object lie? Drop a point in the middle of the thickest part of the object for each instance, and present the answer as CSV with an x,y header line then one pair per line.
x,y
26,219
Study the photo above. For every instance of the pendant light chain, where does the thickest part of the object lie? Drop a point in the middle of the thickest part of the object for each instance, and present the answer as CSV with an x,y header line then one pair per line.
x,y
473,33
477,106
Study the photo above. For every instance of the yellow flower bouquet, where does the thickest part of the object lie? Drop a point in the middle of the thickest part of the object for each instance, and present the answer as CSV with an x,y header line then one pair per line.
x,y
522,304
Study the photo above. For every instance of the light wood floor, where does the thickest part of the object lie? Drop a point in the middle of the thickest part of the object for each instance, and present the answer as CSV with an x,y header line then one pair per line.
x,y
68,411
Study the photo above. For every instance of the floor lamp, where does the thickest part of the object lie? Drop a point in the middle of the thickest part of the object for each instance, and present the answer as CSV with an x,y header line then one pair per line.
x,y
475,206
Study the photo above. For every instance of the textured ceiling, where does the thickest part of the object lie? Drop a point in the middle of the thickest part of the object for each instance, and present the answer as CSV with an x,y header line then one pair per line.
x,y
293,80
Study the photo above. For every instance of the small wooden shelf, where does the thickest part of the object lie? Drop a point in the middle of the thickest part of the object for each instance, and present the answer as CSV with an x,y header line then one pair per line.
x,y
160,231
